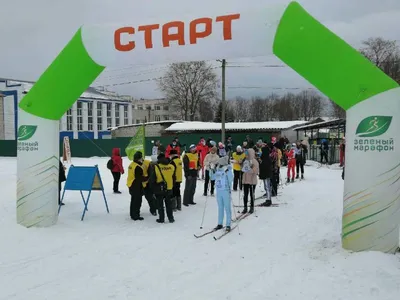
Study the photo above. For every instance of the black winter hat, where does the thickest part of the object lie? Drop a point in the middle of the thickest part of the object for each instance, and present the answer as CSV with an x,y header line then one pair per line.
x,y
160,156
138,155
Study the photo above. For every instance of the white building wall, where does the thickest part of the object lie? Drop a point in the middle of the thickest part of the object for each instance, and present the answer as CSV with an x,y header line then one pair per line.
x,y
130,115
94,114
85,116
121,115
112,114
75,120
104,116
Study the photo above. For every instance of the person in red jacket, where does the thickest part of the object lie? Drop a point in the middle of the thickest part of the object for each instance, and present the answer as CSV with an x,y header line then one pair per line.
x,y
175,146
117,169
202,150
291,156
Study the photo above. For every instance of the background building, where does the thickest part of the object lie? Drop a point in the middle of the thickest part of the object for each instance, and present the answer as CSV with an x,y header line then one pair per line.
x,y
151,110
91,117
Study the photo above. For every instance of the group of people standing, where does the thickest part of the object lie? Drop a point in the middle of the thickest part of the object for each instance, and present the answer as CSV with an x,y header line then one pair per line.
x,y
224,171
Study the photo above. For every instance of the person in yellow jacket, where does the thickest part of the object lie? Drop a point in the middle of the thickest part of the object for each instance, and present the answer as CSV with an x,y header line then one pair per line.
x,y
135,185
177,163
162,183
147,191
191,165
237,158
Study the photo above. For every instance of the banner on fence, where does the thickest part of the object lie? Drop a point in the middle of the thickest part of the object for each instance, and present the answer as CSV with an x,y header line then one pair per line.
x,y
66,150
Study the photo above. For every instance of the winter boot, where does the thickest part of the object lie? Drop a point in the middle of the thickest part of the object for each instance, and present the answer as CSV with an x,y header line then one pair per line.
x,y
244,211
292,179
251,210
174,204
297,176
288,180
137,218
228,228
179,203
302,176
219,227
171,220
160,221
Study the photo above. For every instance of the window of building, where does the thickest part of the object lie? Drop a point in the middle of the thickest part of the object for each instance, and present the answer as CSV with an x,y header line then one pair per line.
x,y
99,116
80,116
126,121
69,120
117,119
157,118
166,107
138,121
166,118
90,116
140,107
157,107
109,118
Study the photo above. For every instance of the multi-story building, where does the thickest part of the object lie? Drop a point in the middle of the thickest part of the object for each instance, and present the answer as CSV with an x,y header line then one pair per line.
x,y
151,110
92,115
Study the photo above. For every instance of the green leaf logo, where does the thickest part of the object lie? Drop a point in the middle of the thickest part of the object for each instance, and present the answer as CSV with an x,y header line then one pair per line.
x,y
25,132
373,126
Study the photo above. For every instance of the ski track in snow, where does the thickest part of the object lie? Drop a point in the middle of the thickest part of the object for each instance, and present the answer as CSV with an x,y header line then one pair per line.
x,y
288,252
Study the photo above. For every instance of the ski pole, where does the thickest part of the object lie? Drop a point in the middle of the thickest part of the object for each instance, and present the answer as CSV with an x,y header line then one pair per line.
x,y
254,200
204,211
234,212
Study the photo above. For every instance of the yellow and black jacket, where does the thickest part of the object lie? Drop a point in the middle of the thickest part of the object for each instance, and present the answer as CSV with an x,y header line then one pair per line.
x,y
191,164
162,178
135,178
177,163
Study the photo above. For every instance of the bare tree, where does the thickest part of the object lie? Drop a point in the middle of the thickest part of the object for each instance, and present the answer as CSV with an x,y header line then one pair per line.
x,y
336,111
240,108
229,113
186,85
284,108
309,105
385,54
206,110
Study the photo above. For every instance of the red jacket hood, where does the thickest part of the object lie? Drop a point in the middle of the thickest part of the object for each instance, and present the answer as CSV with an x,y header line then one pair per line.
x,y
116,152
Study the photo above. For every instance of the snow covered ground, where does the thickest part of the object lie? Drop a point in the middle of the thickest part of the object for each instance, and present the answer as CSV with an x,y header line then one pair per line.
x,y
288,252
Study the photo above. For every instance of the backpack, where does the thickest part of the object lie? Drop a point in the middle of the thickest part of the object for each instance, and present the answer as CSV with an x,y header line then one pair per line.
x,y
110,164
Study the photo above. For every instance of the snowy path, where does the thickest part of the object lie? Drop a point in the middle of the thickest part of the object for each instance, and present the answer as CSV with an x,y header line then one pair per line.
x,y
288,252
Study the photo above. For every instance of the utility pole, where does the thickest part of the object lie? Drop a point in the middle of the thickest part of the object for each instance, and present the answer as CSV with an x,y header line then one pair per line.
x,y
223,103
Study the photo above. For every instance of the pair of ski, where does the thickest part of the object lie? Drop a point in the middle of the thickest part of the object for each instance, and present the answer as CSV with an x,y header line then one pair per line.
x,y
259,205
225,232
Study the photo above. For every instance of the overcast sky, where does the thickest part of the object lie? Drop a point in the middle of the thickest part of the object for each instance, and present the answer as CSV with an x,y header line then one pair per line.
x,y
34,31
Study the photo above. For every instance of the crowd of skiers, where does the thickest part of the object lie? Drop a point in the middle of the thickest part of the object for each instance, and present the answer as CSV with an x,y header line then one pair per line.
x,y
225,168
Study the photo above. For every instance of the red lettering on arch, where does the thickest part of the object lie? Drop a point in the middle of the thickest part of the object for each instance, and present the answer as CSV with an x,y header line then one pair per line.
x,y
118,39
148,34
227,24
195,35
168,37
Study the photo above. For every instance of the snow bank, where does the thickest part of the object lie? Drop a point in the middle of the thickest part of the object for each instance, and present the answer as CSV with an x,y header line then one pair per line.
x,y
282,253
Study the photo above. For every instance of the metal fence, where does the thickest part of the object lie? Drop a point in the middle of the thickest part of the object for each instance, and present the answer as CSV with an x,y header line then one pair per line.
x,y
314,153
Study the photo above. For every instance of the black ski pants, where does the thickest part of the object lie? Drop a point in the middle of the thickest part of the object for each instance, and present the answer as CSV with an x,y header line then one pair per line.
x,y
117,177
237,180
190,190
249,189
299,166
207,182
136,203
161,200
151,200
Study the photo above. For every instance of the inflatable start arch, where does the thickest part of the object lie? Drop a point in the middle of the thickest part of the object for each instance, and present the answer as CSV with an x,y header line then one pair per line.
x,y
372,100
